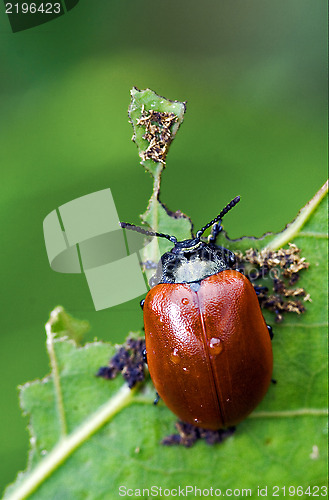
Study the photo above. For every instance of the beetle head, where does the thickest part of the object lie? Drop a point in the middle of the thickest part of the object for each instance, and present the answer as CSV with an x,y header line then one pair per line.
x,y
191,260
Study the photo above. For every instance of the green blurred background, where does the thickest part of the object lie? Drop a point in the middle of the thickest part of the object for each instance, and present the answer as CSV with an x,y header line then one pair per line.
x,y
254,75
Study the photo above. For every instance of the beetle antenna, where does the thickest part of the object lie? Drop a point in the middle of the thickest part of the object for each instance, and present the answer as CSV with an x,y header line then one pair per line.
x,y
219,217
141,230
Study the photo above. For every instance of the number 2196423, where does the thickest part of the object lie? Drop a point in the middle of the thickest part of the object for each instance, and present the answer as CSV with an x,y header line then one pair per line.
x,y
32,8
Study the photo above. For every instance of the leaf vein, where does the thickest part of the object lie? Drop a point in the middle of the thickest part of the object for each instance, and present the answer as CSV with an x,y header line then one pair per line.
x,y
56,377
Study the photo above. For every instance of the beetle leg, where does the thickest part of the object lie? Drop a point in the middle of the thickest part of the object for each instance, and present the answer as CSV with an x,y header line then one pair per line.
x,y
188,434
270,331
154,280
273,381
260,289
144,356
142,303
215,230
157,399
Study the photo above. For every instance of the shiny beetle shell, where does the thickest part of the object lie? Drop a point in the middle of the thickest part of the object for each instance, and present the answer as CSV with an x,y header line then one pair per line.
x,y
208,349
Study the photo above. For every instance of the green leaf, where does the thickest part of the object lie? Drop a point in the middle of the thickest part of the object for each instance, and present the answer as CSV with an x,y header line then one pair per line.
x,y
90,436
143,104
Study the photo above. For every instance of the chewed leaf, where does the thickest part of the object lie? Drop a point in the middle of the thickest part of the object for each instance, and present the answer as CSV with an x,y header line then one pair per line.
x,y
283,270
292,229
96,439
155,122
303,222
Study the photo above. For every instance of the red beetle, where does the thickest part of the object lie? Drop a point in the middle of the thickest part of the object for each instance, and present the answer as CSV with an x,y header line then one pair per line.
x,y
208,347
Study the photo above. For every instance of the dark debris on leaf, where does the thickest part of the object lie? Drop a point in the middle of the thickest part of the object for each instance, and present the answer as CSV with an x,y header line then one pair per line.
x,y
128,361
282,268
188,434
